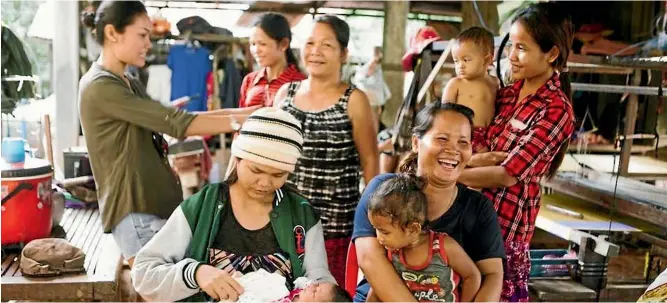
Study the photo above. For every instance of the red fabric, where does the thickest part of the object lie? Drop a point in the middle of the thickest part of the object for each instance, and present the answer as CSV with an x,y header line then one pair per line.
x,y
291,296
531,131
337,257
209,91
209,106
424,36
351,270
479,139
255,85
209,84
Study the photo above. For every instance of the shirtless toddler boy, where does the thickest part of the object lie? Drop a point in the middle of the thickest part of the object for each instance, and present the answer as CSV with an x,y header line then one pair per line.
x,y
473,86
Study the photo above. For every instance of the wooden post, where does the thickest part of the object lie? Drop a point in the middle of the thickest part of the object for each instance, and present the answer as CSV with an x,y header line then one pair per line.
x,y
395,23
434,72
630,121
65,80
488,10
48,149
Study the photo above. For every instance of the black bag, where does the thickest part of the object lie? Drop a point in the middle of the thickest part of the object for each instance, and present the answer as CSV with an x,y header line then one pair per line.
x,y
15,62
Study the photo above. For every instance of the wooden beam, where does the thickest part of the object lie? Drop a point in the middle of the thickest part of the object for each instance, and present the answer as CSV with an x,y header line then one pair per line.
x,y
377,5
659,251
488,11
560,290
575,67
653,240
616,89
423,7
395,22
434,72
444,8
654,63
284,10
630,120
18,288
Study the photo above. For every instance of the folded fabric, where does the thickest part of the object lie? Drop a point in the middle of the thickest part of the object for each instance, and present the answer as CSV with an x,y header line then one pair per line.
x,y
262,286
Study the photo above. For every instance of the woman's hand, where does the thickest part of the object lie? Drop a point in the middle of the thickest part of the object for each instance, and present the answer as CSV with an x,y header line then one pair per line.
x,y
187,163
487,159
386,146
218,283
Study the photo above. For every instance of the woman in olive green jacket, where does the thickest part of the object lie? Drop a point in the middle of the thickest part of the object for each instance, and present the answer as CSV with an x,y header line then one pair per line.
x,y
137,189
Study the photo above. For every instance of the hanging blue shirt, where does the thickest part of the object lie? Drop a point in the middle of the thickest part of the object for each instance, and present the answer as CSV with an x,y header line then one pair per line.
x,y
190,66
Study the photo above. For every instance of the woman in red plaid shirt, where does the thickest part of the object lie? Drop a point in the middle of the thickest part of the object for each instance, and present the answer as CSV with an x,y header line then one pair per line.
x,y
270,46
529,135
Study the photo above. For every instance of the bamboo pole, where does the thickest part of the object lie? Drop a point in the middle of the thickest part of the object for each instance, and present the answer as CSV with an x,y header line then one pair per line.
x,y
49,141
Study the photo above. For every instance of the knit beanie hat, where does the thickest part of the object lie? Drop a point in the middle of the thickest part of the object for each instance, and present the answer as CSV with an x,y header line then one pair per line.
x,y
270,137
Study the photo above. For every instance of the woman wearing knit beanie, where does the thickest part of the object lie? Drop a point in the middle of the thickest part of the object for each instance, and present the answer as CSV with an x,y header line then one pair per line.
x,y
249,222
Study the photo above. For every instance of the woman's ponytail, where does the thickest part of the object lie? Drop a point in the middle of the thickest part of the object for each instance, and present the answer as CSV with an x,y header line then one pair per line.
x,y
409,165
565,84
291,58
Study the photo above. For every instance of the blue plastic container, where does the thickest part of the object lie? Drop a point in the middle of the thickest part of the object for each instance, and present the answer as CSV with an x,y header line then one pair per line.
x,y
13,149
540,267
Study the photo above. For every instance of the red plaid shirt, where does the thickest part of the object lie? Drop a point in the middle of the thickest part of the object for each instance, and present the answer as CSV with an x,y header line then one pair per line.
x,y
531,131
256,89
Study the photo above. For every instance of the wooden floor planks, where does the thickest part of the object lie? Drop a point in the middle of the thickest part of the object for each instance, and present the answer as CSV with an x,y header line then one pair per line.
x,y
83,229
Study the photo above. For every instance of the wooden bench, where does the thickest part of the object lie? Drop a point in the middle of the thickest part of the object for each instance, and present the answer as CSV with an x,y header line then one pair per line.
x,y
559,290
83,229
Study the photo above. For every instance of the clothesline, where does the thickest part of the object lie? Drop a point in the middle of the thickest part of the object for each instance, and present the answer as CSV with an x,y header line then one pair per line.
x,y
202,37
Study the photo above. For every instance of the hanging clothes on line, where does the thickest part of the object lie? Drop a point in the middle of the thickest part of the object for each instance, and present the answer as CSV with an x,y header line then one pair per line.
x,y
230,86
159,83
190,66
